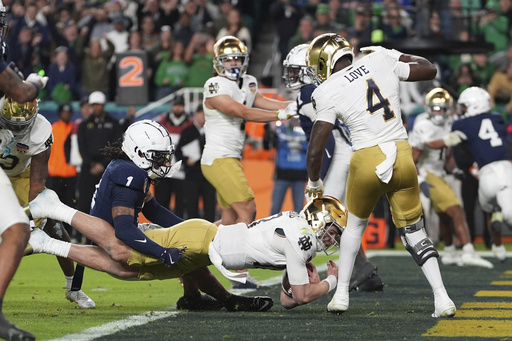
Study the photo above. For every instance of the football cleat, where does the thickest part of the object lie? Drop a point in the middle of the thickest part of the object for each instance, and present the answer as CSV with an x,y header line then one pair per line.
x,y
444,306
451,256
339,302
10,332
198,302
242,303
473,259
499,252
81,299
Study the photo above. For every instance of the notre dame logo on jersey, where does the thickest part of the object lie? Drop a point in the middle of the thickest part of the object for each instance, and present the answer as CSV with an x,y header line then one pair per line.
x,y
313,102
213,88
305,243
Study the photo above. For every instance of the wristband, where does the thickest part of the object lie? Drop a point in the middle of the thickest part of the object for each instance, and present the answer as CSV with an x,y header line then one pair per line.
x,y
38,88
332,281
315,183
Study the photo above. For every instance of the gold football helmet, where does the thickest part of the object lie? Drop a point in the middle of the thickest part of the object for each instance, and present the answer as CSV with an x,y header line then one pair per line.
x,y
18,117
438,105
226,49
323,53
323,213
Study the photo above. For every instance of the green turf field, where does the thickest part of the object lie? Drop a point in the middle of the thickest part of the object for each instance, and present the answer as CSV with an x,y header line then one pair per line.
x,y
35,301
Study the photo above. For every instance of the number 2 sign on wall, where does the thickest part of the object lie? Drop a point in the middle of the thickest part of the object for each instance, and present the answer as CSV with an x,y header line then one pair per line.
x,y
132,80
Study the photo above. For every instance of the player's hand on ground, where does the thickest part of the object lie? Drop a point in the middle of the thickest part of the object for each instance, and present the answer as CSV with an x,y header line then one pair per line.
x,y
332,268
171,256
314,189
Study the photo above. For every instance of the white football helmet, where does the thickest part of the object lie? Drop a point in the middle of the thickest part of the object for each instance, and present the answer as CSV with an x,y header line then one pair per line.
x,y
438,105
294,68
148,144
323,53
18,117
229,48
321,214
474,101
3,20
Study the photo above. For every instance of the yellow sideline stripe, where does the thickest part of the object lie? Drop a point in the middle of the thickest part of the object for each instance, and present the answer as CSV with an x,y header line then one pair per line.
x,y
494,293
485,313
501,283
485,305
471,328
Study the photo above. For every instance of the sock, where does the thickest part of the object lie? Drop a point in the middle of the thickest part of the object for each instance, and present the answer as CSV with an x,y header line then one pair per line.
x,y
57,248
468,248
69,281
431,271
64,213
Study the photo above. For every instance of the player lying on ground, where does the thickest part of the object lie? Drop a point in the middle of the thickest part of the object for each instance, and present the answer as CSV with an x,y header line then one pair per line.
x,y
287,240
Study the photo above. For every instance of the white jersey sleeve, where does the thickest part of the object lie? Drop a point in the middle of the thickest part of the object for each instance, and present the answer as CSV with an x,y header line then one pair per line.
x,y
225,135
39,139
365,96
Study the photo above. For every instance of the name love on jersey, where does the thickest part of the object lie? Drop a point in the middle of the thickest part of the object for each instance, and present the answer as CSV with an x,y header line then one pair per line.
x,y
355,74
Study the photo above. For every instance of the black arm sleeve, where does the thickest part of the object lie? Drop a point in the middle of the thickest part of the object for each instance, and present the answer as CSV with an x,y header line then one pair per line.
x,y
159,215
128,232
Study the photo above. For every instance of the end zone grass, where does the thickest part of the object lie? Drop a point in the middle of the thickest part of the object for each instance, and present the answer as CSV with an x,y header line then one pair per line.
x,y
35,301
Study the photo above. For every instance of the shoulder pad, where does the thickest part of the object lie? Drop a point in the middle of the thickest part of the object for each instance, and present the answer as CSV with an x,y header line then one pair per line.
x,y
126,173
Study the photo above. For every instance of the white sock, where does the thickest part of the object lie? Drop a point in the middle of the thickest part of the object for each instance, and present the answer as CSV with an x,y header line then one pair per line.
x,y
69,280
64,213
431,271
468,248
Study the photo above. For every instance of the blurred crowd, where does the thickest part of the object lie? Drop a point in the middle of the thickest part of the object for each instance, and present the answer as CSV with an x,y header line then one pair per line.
x,y
75,42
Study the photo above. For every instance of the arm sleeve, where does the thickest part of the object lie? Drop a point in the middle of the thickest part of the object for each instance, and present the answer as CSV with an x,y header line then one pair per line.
x,y
295,266
128,232
159,215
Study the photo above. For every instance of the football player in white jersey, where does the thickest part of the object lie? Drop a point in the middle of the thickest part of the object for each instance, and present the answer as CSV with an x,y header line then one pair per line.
x,y
484,132
365,96
25,161
431,163
229,100
285,241
14,226
336,159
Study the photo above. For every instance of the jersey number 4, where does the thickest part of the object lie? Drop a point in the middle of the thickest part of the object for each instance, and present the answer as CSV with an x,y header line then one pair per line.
x,y
373,92
487,132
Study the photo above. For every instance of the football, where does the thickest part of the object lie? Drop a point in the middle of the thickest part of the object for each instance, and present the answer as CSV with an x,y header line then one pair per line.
x,y
285,285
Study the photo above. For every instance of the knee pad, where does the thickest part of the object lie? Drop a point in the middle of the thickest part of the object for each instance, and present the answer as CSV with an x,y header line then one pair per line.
x,y
417,243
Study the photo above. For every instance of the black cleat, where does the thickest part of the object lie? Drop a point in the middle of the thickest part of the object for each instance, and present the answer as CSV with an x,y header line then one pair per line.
x,y
243,303
10,332
198,303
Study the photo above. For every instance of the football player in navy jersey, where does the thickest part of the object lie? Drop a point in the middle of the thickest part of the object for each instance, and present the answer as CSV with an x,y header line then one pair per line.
x,y
484,133
122,194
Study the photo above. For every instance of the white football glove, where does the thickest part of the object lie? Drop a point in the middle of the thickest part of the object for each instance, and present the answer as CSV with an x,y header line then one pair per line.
x,y
6,137
35,78
391,52
289,111
314,189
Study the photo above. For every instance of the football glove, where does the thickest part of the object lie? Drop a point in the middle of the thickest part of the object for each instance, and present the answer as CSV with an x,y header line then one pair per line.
x,y
314,189
38,79
289,111
391,52
458,174
6,137
171,256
